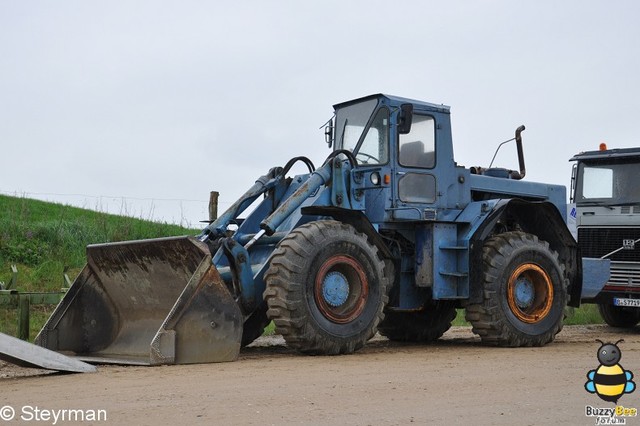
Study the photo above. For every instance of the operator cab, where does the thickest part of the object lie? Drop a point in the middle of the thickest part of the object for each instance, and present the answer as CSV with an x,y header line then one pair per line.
x,y
402,146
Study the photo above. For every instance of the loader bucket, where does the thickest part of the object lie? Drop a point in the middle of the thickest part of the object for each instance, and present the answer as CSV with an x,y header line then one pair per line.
x,y
148,302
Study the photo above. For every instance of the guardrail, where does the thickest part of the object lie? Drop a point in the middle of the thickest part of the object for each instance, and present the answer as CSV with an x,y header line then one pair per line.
x,y
12,298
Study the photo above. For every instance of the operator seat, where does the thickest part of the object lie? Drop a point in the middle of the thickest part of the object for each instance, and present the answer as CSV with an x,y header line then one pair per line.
x,y
412,154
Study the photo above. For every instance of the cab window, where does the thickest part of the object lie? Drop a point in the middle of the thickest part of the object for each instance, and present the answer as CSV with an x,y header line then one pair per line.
x,y
374,147
417,148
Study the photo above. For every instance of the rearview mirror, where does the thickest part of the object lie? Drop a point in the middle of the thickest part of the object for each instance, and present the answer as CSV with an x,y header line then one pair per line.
x,y
328,134
405,118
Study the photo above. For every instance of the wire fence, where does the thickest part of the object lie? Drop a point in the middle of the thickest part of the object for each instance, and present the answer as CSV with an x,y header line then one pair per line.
x,y
185,212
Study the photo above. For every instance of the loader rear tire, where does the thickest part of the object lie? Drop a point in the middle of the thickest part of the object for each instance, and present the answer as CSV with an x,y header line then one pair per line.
x,y
619,316
326,288
524,294
420,327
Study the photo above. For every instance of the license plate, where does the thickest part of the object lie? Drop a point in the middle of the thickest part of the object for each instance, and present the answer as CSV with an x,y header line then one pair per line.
x,y
626,302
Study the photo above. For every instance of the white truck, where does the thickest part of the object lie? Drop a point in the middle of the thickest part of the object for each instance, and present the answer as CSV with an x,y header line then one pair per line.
x,y
606,197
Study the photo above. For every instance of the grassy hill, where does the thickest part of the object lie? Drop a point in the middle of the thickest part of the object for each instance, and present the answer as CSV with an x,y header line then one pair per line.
x,y
44,239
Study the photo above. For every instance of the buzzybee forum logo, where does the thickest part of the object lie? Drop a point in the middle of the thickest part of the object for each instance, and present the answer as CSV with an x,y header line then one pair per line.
x,y
610,381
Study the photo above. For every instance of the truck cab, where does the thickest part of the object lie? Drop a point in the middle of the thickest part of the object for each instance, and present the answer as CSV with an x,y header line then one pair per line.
x,y
606,193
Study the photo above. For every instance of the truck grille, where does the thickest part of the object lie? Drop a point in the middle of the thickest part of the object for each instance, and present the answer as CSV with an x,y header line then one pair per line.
x,y
597,242
624,274
630,209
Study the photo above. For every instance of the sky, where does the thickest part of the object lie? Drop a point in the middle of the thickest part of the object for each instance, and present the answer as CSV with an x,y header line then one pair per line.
x,y
144,107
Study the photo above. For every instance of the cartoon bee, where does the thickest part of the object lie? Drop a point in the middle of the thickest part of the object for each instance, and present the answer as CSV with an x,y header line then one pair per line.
x,y
609,381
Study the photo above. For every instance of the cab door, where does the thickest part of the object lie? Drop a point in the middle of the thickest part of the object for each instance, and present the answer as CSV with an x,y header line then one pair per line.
x,y
417,186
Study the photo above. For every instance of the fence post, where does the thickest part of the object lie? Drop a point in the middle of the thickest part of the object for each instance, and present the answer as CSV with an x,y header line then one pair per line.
x,y
213,205
23,316
14,278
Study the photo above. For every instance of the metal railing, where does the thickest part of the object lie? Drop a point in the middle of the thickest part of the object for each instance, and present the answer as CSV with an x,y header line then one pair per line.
x,y
12,298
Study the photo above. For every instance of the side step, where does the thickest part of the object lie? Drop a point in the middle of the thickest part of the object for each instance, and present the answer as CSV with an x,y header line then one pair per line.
x,y
451,258
25,354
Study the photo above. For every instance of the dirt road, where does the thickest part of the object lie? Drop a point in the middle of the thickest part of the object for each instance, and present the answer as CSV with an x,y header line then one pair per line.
x,y
455,381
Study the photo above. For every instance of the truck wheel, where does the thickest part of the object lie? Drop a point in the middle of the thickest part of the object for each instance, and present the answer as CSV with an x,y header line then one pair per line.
x,y
326,288
525,292
618,316
423,326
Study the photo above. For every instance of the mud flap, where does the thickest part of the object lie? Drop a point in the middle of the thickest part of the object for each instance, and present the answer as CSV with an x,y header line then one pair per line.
x,y
25,354
595,274
147,302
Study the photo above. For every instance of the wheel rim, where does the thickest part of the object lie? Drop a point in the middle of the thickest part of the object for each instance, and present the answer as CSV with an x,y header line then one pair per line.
x,y
530,293
341,289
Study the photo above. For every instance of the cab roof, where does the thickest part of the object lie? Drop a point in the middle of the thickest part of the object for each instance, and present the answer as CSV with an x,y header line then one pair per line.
x,y
397,100
607,154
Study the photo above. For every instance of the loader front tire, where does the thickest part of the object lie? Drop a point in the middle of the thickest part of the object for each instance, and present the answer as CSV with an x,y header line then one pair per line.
x,y
326,288
524,292
423,326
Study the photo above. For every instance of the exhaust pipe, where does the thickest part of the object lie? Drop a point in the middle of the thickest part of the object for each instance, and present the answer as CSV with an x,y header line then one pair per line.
x,y
514,174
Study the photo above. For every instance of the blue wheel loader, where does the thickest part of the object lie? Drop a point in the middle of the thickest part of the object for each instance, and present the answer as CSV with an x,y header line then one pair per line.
x,y
388,235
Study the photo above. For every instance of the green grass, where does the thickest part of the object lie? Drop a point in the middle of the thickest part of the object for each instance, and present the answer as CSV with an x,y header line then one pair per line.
x,y
585,314
45,239
270,329
38,316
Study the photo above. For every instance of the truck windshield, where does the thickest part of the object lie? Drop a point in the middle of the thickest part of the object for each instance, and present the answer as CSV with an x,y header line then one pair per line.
x,y
351,122
608,184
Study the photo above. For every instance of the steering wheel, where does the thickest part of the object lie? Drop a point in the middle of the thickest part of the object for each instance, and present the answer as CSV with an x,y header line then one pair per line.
x,y
368,157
